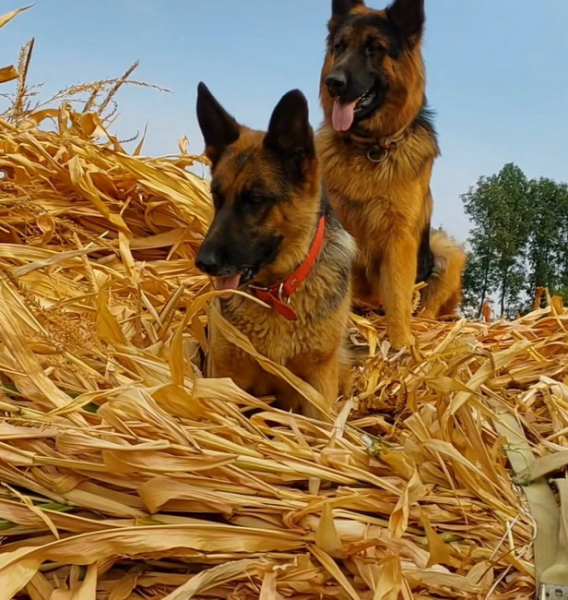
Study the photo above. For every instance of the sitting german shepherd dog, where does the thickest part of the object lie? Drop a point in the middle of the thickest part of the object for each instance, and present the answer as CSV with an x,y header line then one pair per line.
x,y
275,236
377,147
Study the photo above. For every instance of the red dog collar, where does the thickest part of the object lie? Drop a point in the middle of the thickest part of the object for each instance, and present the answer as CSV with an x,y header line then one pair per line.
x,y
278,296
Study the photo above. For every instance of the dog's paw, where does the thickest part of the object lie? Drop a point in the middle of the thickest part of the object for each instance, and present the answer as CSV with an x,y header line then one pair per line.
x,y
402,341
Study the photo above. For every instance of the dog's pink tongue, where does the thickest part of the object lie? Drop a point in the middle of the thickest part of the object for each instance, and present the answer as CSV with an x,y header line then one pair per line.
x,y
343,115
227,283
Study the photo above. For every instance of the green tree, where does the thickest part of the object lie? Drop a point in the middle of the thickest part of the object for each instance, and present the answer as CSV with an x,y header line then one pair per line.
x,y
479,276
518,243
547,252
499,208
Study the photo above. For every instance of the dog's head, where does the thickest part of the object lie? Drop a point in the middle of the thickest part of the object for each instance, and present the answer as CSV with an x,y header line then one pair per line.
x,y
373,73
265,187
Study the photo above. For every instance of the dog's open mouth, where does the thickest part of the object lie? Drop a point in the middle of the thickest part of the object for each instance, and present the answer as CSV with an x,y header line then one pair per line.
x,y
234,282
344,113
223,284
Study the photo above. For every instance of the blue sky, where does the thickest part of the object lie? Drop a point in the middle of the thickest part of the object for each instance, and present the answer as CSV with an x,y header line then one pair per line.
x,y
498,76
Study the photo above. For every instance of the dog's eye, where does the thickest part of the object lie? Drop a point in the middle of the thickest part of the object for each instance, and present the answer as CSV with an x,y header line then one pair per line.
x,y
250,198
256,198
340,48
372,48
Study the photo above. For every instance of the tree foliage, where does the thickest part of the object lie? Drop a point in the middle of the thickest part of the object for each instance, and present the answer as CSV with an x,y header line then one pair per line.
x,y
518,242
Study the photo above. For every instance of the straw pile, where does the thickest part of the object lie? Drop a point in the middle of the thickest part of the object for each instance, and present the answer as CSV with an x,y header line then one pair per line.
x,y
125,474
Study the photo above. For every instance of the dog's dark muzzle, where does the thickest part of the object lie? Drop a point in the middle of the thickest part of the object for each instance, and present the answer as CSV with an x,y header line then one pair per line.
x,y
336,83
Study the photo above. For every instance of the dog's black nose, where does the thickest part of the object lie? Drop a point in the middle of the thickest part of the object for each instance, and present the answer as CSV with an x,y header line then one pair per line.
x,y
207,261
336,83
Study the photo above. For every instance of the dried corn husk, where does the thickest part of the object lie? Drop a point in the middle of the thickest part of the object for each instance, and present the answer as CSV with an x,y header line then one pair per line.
x,y
127,475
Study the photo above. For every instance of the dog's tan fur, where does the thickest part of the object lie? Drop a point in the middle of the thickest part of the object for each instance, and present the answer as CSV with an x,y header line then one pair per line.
x,y
387,206
443,295
314,347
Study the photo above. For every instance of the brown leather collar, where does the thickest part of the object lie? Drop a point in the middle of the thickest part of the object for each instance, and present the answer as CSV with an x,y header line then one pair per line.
x,y
378,148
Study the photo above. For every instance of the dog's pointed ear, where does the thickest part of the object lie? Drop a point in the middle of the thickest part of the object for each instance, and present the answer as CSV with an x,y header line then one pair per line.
x,y
290,133
408,16
218,127
341,8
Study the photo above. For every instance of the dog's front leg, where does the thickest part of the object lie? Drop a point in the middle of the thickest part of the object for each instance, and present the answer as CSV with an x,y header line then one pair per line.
x,y
228,361
322,375
396,287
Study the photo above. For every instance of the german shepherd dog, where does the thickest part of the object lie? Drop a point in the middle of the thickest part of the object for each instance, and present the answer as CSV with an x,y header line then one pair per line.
x,y
275,236
377,146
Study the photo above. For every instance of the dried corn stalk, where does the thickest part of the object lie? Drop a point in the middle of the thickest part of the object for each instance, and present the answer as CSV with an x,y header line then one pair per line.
x,y
127,475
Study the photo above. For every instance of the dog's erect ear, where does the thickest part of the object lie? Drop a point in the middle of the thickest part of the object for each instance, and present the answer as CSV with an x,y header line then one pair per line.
x,y
408,16
219,129
290,133
341,8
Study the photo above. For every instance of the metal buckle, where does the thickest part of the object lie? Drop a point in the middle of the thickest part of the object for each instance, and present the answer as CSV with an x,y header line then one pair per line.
x,y
388,144
280,294
376,154
548,591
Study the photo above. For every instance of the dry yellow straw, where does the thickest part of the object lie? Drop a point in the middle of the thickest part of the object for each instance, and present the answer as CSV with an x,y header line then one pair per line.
x,y
127,475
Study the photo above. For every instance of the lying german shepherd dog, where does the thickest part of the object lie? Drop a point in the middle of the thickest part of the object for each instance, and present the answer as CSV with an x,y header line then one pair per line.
x,y
377,147
275,235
